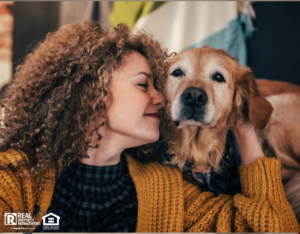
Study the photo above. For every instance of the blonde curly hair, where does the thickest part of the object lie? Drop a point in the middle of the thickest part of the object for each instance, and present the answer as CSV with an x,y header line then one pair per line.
x,y
61,88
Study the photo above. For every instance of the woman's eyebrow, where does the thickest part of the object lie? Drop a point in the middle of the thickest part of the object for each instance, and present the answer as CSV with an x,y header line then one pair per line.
x,y
148,75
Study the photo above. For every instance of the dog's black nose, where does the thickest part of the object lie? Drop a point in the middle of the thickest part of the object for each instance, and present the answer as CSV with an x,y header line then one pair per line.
x,y
194,97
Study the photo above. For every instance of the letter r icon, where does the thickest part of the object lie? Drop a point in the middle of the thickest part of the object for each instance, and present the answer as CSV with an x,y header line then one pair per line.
x,y
10,219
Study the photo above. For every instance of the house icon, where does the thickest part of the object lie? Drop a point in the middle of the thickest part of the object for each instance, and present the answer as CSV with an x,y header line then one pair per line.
x,y
51,219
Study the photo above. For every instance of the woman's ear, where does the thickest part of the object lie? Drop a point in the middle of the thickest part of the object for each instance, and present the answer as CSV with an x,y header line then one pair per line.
x,y
249,103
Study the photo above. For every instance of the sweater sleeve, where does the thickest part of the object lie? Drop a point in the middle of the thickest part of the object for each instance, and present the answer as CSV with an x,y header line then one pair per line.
x,y
10,197
16,191
262,206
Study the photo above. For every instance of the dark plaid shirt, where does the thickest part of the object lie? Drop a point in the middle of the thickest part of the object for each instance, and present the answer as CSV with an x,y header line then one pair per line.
x,y
95,199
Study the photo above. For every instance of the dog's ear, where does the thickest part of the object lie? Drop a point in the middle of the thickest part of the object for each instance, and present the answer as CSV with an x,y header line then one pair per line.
x,y
248,103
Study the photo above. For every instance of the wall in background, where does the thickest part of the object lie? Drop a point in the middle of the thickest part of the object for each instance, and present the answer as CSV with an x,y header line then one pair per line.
x,y
274,49
33,20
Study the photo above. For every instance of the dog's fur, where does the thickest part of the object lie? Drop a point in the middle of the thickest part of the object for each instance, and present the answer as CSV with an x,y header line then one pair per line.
x,y
272,87
201,132
280,137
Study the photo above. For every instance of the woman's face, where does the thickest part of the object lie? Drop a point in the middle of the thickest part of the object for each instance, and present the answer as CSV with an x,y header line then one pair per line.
x,y
133,112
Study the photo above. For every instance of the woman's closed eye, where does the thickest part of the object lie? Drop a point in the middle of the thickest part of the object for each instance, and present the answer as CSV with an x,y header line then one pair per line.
x,y
145,85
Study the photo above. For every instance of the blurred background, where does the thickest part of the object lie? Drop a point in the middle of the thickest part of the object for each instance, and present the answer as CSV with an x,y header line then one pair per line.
x,y
262,35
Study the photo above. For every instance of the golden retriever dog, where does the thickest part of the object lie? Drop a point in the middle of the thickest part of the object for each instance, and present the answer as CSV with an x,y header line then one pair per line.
x,y
280,137
208,92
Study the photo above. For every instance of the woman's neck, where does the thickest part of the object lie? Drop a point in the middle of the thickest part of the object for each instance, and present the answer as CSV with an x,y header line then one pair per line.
x,y
100,158
108,153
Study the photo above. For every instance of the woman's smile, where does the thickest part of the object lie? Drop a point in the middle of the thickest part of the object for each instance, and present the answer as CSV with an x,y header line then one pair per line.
x,y
153,115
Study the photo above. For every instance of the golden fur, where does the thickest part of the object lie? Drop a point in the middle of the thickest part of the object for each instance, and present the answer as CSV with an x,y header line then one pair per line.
x,y
280,136
228,104
271,87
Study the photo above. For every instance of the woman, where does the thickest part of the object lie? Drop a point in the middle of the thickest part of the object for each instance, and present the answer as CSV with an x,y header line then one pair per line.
x,y
78,102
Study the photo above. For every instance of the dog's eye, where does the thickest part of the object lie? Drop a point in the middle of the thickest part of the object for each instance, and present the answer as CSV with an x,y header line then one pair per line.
x,y
177,73
218,77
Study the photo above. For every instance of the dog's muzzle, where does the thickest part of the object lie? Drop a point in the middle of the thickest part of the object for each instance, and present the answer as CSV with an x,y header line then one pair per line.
x,y
193,99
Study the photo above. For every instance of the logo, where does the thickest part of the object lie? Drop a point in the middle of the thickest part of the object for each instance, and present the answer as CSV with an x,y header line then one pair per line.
x,y
19,219
10,219
51,222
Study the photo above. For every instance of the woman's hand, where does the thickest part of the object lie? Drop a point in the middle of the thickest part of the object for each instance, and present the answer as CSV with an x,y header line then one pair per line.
x,y
247,142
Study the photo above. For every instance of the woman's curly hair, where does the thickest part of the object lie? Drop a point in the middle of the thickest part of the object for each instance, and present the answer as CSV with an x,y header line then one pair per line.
x,y
61,88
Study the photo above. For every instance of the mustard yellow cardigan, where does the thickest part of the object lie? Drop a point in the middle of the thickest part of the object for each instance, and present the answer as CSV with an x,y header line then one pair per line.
x,y
166,202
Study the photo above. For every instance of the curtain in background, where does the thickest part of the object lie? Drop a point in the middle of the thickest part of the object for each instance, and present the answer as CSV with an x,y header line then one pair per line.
x,y
181,25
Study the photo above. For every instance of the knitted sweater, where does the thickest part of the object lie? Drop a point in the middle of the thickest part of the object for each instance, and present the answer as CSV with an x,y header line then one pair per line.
x,y
166,202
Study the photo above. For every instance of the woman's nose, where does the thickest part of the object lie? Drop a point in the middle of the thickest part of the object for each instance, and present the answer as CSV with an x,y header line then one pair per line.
x,y
157,98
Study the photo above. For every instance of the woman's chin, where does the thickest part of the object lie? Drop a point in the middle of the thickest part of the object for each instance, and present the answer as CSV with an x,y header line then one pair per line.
x,y
150,138
154,138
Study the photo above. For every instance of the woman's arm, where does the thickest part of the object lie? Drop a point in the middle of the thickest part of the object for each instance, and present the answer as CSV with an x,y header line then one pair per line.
x,y
262,206
247,143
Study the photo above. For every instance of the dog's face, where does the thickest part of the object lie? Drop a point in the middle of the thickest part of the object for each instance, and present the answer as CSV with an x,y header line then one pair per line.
x,y
200,87
208,92
206,87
